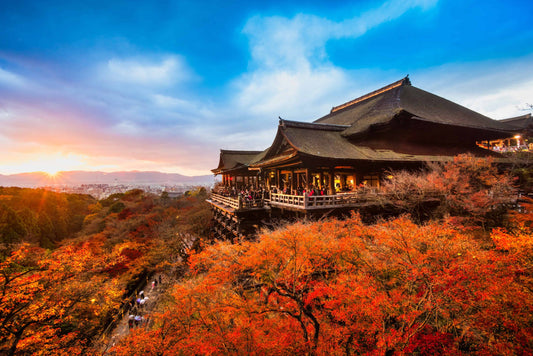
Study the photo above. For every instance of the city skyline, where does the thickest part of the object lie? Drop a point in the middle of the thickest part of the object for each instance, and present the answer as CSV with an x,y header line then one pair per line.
x,y
161,86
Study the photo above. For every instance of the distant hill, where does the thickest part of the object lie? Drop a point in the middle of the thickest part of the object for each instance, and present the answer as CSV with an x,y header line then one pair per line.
x,y
75,178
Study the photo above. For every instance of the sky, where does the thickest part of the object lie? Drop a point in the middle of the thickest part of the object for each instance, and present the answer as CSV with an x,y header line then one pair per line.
x,y
164,85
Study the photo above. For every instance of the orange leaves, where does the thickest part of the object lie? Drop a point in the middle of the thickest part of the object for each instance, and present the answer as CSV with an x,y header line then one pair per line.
x,y
337,287
46,294
468,187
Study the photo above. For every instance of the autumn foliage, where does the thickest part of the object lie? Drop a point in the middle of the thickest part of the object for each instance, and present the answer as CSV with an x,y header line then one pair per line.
x,y
469,188
56,301
342,287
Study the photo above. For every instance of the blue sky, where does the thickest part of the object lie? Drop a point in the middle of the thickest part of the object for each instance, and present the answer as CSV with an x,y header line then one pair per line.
x,y
163,85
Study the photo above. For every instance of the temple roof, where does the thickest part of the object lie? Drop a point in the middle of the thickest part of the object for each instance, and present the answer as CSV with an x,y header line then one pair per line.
x,y
232,160
416,126
327,141
380,107
520,122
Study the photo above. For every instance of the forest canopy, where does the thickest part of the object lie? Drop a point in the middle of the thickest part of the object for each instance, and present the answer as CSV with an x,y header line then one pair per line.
x,y
458,281
59,297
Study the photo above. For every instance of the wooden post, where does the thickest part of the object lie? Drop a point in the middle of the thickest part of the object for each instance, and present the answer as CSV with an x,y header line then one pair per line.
x,y
306,200
332,182
293,181
307,179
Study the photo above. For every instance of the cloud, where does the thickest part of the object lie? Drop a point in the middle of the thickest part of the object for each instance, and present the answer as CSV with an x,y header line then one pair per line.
x,y
291,43
288,93
11,79
497,89
291,74
166,71
145,112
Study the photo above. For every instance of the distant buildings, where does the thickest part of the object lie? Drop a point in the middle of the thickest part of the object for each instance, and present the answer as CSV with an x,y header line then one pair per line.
x,y
102,191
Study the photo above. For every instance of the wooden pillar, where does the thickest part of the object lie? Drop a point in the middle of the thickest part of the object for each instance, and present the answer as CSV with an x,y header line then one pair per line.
x,y
278,179
307,179
321,180
293,181
331,182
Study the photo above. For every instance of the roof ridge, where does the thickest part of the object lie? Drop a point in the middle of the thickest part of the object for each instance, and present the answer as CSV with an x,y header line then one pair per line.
x,y
525,116
239,152
312,125
403,81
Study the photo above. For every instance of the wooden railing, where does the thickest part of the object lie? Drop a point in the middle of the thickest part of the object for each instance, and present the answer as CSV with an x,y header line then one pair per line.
x,y
322,201
298,201
228,201
306,202
237,203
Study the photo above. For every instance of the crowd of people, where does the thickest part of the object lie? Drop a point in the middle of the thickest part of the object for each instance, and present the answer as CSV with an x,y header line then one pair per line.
x,y
251,193
139,305
503,148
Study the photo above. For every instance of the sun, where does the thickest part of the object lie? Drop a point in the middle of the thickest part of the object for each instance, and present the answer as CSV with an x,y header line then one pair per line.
x,y
53,164
51,173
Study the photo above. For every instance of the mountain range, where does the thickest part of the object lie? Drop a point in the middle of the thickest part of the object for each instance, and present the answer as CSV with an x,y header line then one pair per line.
x,y
76,178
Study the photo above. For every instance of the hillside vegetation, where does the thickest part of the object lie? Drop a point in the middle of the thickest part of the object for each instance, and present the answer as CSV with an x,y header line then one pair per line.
x,y
58,295
459,283
453,279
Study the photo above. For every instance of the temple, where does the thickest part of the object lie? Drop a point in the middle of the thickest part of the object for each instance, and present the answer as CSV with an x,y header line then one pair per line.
x,y
322,165
523,129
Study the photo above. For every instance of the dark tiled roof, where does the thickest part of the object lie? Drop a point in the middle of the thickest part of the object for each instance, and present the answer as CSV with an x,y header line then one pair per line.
x,y
520,122
382,106
404,81
231,159
332,144
334,135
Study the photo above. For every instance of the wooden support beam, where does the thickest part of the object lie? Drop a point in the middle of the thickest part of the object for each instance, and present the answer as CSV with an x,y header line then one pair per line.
x,y
293,181
331,182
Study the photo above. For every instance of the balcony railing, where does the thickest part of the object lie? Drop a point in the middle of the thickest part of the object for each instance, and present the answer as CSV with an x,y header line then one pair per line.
x,y
322,201
304,202
237,203
315,202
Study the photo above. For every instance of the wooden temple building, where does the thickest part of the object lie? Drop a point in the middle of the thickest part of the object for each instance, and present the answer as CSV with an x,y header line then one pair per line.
x,y
318,166
521,140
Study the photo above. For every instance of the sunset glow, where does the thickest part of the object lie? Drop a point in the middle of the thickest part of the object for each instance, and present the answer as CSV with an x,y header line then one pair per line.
x,y
50,164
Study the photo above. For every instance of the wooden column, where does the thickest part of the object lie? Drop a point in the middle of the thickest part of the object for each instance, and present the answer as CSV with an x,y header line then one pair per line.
x,y
293,181
278,177
331,182
307,179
